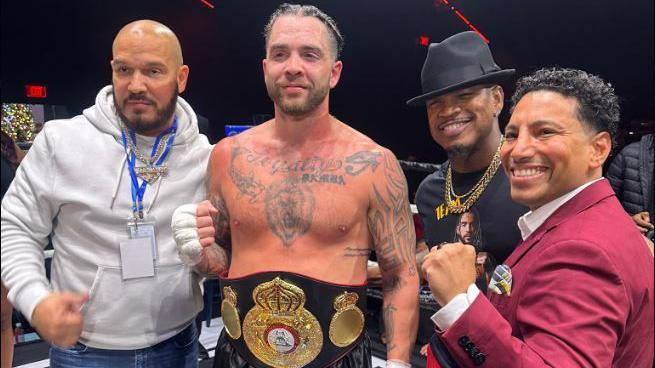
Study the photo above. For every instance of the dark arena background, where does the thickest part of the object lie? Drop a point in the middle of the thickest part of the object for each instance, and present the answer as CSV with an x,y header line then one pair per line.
x,y
66,46
63,48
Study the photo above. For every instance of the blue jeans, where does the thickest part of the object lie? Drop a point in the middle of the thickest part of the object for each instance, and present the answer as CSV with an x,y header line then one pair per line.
x,y
180,351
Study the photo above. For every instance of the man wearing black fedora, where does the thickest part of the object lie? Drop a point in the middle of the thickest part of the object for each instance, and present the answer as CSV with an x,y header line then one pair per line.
x,y
463,99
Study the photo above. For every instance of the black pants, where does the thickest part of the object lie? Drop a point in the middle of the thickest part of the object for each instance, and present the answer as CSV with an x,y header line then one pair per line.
x,y
227,357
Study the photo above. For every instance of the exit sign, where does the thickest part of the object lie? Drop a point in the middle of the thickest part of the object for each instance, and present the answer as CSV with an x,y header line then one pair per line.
x,y
35,91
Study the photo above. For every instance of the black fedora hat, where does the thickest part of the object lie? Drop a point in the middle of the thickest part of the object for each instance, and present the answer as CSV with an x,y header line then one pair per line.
x,y
458,62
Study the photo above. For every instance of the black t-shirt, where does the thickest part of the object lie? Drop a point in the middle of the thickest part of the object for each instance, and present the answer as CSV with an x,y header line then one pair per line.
x,y
491,226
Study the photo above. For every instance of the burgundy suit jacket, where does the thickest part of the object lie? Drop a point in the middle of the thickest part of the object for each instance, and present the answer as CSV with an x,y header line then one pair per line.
x,y
582,295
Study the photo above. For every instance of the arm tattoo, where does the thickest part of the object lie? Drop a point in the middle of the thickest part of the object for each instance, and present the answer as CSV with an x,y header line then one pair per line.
x,y
391,222
289,210
221,221
215,260
388,313
391,283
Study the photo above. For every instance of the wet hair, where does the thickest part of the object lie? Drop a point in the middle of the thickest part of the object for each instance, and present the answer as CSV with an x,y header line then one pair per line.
x,y
598,105
336,40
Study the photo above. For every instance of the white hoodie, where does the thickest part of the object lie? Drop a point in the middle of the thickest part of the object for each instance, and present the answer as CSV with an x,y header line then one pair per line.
x,y
74,185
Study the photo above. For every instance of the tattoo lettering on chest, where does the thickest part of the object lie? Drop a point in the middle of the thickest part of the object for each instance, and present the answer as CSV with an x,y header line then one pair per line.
x,y
289,210
323,178
323,170
275,165
315,165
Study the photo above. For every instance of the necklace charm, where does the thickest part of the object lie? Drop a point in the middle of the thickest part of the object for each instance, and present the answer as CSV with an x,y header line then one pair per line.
x,y
151,173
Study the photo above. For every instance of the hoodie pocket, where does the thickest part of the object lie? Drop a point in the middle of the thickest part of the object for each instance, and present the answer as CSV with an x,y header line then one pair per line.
x,y
139,312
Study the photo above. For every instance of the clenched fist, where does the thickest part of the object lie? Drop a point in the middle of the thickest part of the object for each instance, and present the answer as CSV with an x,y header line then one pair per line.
x,y
193,230
449,270
58,320
205,223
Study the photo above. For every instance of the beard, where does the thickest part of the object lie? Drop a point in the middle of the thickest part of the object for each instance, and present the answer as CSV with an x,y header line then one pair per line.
x,y
459,151
139,123
314,98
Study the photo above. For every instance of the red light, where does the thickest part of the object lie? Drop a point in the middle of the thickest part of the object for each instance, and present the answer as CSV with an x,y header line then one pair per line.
x,y
35,91
462,17
424,40
208,4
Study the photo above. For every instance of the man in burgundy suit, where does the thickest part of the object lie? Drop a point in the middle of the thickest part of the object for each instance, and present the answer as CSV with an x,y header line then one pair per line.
x,y
582,278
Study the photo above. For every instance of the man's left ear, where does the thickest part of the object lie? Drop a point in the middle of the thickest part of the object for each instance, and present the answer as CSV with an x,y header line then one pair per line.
x,y
601,146
499,98
182,77
336,73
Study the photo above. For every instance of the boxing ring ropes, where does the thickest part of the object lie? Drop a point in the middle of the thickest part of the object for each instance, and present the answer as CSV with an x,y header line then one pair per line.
x,y
424,167
406,165
419,166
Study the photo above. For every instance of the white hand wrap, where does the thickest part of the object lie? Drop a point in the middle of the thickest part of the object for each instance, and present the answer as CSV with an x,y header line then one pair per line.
x,y
185,232
395,363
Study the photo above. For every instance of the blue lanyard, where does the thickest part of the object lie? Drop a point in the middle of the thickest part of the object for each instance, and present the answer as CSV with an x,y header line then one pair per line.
x,y
138,191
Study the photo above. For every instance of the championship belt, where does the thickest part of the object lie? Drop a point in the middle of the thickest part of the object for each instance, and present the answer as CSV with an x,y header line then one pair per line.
x,y
286,320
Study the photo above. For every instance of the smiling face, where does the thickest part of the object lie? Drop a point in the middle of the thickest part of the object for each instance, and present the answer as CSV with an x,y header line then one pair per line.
x,y
548,151
147,76
460,120
299,69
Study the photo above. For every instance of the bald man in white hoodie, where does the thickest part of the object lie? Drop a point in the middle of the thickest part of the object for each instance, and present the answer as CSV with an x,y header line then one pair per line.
x,y
104,185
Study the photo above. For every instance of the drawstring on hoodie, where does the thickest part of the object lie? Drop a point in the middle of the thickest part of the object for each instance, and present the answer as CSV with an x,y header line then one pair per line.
x,y
118,182
154,197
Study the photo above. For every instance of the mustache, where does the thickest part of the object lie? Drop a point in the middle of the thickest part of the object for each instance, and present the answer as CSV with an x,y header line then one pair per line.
x,y
138,98
295,83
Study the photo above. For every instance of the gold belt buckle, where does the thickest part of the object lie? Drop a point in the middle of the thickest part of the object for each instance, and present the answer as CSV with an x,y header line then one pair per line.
x,y
278,330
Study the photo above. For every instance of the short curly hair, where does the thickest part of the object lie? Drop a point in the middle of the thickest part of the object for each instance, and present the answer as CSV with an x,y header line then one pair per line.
x,y
598,106
336,39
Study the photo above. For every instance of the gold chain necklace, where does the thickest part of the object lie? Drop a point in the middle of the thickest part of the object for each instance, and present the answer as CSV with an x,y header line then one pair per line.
x,y
452,190
138,154
150,172
475,192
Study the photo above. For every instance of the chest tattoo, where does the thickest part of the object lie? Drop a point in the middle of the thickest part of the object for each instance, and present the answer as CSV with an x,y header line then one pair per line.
x,y
289,209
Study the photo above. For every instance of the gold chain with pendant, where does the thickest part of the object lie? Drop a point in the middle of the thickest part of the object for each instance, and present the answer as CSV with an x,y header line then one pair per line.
x,y
138,154
149,172
477,190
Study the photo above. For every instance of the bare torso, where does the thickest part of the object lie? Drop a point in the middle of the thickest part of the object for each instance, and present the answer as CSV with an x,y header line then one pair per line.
x,y
301,209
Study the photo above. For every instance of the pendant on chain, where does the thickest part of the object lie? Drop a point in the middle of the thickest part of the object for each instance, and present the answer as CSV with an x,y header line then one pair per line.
x,y
151,173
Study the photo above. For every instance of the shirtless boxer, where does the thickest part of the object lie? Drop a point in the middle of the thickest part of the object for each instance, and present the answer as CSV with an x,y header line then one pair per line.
x,y
298,203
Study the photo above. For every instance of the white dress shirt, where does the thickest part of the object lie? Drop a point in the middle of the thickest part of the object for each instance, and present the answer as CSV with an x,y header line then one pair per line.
x,y
531,221
528,223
